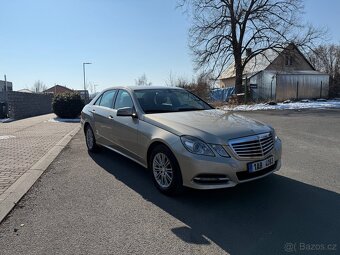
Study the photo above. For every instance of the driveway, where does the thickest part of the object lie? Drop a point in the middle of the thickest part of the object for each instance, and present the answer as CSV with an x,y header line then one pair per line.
x,y
106,204
24,142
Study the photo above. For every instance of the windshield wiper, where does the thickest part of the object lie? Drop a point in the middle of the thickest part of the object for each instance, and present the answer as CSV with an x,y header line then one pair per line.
x,y
157,111
189,109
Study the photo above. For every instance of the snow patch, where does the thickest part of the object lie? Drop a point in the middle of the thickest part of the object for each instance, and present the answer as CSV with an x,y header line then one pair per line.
x,y
303,104
6,120
4,137
76,120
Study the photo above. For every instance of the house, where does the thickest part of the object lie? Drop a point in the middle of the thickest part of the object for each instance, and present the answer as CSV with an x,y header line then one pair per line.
x,y
280,74
58,89
6,86
84,95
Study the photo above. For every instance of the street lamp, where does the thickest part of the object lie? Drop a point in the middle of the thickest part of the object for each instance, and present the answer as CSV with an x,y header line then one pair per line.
x,y
84,73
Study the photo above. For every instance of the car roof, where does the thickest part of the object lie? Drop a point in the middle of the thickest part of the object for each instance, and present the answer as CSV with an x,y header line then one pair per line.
x,y
132,88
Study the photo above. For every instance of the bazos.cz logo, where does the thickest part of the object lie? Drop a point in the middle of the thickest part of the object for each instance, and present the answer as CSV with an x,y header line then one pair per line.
x,y
295,247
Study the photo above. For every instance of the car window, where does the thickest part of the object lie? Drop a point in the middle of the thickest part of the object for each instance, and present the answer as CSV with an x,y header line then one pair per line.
x,y
98,101
107,98
169,100
123,100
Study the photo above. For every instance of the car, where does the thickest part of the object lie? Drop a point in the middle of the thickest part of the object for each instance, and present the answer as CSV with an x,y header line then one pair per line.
x,y
183,140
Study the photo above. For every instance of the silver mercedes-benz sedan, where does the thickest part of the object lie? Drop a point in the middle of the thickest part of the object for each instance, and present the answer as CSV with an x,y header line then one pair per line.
x,y
182,140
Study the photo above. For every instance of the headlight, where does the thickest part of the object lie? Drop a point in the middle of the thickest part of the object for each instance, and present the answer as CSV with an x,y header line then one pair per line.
x,y
196,146
274,134
220,150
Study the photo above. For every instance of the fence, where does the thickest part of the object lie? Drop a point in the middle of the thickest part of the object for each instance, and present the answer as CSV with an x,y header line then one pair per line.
x,y
222,95
301,87
22,105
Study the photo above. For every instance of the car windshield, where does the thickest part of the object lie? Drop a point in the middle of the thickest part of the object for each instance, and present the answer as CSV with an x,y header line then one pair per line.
x,y
169,100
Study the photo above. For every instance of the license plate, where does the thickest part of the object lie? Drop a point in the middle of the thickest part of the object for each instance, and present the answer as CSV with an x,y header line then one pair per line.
x,y
259,165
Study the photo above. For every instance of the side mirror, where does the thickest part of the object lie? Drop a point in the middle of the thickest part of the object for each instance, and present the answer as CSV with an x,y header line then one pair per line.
x,y
127,112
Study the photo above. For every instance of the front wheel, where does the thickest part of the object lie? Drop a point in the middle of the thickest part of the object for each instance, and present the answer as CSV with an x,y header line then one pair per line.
x,y
166,173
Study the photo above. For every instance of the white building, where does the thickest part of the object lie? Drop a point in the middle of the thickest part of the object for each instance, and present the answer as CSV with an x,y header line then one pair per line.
x,y
279,75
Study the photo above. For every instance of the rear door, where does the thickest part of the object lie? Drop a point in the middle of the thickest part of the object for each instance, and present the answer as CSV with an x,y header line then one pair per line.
x,y
103,112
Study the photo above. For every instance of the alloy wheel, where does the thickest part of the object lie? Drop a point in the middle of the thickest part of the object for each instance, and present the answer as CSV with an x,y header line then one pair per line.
x,y
162,170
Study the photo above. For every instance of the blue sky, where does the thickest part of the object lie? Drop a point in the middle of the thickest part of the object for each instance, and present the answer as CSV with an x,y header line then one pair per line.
x,y
48,40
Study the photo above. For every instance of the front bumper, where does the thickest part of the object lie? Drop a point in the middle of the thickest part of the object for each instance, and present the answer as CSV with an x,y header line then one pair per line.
x,y
204,172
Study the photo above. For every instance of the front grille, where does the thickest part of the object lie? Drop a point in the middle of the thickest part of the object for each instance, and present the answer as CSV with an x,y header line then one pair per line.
x,y
253,146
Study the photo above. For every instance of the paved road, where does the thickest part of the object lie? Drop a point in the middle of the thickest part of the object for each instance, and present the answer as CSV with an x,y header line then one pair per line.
x,y
24,142
106,204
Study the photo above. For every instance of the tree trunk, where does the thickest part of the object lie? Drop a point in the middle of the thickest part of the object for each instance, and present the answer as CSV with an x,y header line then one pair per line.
x,y
238,75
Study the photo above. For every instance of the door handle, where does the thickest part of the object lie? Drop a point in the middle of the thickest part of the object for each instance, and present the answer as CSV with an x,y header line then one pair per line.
x,y
93,110
110,117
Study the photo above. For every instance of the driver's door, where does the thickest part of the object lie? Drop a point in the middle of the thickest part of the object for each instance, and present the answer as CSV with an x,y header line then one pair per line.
x,y
125,128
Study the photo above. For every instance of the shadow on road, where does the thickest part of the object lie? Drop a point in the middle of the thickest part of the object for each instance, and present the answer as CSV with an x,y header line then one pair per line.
x,y
254,218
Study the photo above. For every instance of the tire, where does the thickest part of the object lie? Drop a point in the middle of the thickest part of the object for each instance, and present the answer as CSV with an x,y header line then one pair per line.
x,y
165,171
90,139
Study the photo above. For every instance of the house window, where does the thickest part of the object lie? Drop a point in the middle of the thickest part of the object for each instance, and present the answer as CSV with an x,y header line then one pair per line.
x,y
288,60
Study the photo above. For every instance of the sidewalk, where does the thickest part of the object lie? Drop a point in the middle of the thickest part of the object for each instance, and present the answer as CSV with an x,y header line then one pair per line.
x,y
24,142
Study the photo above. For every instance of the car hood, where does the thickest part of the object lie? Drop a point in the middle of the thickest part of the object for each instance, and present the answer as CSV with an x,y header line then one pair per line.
x,y
212,126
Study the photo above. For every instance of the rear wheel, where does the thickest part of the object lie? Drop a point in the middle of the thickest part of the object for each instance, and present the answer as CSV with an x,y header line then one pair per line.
x,y
90,139
165,170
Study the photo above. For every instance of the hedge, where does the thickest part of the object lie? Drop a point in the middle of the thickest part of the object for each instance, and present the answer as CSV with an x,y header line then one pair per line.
x,y
67,105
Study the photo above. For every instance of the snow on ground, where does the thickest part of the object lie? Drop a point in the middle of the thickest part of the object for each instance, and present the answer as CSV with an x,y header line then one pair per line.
x,y
76,120
4,137
286,106
6,120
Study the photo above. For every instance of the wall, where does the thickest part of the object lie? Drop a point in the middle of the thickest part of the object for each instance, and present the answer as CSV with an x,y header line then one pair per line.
x,y
23,105
282,86
266,86
229,82
302,86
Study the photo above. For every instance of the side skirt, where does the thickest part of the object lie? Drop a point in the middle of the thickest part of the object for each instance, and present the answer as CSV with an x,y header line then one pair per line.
x,y
121,153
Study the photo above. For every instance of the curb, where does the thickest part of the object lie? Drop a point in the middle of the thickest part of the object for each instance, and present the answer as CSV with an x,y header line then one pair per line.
x,y
18,189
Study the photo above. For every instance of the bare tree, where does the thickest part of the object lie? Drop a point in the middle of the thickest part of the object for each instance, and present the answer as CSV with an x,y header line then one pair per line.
x,y
224,30
91,87
171,82
326,58
174,81
203,86
200,85
143,81
38,86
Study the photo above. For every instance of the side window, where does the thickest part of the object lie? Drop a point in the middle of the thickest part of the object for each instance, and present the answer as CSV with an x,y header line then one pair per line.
x,y
123,100
98,101
107,98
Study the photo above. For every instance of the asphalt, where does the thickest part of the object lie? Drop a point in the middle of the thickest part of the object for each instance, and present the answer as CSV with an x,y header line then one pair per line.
x,y
106,204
